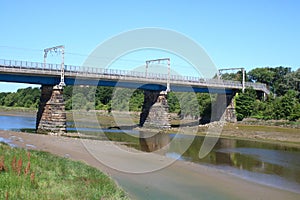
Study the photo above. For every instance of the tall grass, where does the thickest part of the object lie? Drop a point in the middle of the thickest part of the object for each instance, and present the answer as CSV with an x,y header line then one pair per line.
x,y
40,175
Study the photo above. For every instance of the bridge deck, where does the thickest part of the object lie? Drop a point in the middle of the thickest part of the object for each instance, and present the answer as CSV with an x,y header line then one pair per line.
x,y
38,73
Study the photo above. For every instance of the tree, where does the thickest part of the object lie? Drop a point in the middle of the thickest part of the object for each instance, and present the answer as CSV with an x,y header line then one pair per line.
x,y
104,94
296,113
2,97
280,86
68,90
279,79
286,107
245,103
233,76
136,101
9,99
262,75
189,105
173,102
79,101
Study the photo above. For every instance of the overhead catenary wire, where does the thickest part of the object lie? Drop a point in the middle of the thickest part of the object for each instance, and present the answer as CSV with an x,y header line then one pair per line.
x,y
129,62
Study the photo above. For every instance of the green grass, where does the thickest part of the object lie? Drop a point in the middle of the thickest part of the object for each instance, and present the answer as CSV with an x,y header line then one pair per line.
x,y
264,128
17,109
51,177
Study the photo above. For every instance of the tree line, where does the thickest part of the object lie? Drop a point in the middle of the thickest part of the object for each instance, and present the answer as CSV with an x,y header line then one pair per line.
x,y
28,98
282,103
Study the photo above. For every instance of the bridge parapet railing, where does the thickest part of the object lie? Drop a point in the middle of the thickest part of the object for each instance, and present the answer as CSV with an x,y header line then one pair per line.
x,y
82,70
29,65
255,85
124,74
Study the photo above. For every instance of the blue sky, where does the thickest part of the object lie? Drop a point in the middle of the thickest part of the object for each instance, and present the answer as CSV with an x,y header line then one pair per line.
x,y
241,33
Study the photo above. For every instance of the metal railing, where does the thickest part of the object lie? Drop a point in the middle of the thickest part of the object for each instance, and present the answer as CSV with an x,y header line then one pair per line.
x,y
117,74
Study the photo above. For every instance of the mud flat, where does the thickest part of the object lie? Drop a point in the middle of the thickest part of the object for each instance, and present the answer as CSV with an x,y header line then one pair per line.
x,y
170,180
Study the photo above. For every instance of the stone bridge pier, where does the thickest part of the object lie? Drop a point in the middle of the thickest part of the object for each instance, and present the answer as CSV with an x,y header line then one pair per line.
x,y
155,111
51,115
224,108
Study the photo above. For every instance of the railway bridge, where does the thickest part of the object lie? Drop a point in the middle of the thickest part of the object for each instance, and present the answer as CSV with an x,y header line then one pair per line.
x,y
51,117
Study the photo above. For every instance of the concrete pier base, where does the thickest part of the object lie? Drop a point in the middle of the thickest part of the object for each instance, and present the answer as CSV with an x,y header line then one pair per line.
x,y
155,111
51,115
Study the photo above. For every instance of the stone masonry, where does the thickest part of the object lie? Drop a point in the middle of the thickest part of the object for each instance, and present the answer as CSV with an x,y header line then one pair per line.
x,y
155,111
224,108
51,115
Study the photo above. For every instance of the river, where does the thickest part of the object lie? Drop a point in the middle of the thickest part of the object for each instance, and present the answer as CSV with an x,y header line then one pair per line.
x,y
270,164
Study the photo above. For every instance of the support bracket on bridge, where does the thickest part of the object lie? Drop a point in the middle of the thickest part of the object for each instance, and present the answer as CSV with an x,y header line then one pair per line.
x,y
243,75
56,49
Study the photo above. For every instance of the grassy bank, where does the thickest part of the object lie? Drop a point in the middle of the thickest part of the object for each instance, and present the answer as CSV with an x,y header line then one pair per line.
x,y
40,175
272,134
17,109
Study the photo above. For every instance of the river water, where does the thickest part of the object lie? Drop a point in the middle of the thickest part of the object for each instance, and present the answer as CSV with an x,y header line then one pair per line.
x,y
275,165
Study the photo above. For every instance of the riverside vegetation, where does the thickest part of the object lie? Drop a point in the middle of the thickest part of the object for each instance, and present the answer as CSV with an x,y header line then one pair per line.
x,y
282,104
40,175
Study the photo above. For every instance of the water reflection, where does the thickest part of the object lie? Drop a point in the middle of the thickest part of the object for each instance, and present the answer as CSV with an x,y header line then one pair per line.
x,y
154,142
257,157
248,156
221,157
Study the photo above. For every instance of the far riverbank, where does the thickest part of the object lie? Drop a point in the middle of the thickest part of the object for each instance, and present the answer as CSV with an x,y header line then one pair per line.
x,y
270,131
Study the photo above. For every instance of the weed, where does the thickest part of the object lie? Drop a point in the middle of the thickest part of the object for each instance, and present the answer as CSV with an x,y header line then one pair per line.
x,y
19,167
2,164
39,175
14,164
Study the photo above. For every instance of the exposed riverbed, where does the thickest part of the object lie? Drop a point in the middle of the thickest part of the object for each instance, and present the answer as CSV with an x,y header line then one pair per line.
x,y
275,165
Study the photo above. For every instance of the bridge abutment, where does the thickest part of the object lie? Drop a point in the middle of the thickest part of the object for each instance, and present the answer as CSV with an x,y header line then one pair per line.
x,y
224,108
51,115
155,111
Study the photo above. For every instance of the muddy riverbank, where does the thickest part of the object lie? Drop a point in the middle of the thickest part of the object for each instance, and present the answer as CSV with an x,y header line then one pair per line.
x,y
178,180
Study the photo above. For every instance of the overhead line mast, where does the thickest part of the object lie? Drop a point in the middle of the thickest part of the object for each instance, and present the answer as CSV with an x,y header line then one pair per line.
x,y
243,74
159,61
56,49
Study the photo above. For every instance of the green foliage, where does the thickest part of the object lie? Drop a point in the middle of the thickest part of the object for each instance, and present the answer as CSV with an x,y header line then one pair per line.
x,y
136,101
173,102
79,97
79,101
205,101
295,115
279,79
284,104
262,75
120,100
189,104
104,94
233,76
28,98
284,107
245,103
51,177
287,106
